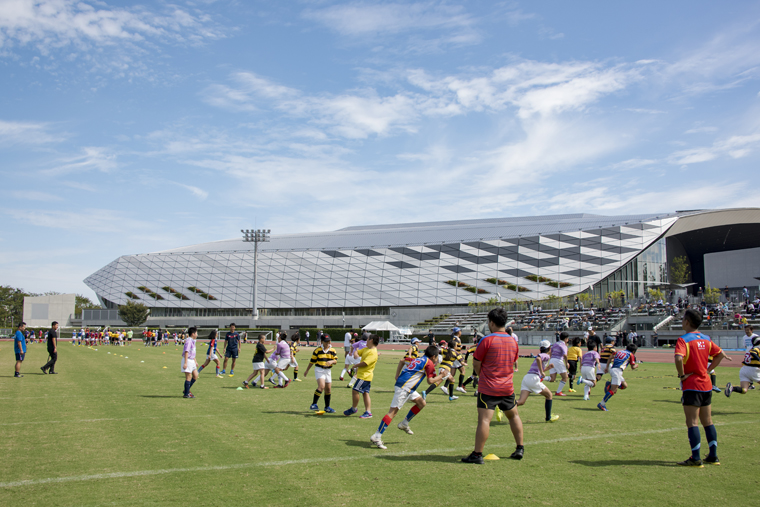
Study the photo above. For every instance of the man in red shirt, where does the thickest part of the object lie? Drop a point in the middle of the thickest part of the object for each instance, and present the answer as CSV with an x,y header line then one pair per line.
x,y
494,363
691,357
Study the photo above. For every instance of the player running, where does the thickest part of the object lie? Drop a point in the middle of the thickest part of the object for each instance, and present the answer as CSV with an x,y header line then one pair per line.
x,y
188,362
211,354
621,360
574,356
531,382
608,352
750,370
589,365
293,351
446,360
323,359
558,361
407,381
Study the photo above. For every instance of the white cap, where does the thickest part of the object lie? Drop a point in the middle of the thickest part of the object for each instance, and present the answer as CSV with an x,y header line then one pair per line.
x,y
545,344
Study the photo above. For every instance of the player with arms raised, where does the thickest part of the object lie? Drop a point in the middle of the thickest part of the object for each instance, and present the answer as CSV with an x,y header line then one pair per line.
x,y
691,356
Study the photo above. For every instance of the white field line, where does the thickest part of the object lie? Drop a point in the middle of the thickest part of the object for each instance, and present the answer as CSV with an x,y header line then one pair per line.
x,y
74,421
142,473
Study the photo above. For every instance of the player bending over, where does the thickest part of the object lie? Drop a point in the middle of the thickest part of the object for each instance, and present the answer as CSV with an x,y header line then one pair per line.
x,y
621,360
407,381
750,371
531,382
589,365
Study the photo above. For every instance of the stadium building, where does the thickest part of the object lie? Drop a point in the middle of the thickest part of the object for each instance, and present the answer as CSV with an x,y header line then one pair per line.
x,y
407,273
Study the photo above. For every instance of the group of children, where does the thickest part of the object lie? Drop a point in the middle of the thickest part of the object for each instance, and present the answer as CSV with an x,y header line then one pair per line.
x,y
91,338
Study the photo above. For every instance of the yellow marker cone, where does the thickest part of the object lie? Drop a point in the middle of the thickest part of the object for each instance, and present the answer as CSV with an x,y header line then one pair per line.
x,y
164,367
491,457
320,412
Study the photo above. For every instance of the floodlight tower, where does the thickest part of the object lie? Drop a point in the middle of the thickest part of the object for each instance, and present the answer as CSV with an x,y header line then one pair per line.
x,y
255,236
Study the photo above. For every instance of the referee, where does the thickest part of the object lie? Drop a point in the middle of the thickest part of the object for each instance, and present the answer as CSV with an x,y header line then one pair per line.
x,y
52,346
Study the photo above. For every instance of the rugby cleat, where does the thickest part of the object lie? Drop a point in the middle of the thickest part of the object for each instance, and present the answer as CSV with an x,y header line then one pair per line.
x,y
329,410
518,454
461,389
366,415
377,441
473,458
602,406
579,381
424,395
728,390
222,372
404,426
445,390
452,398
691,462
350,411
711,460
559,394
553,418
571,390
716,389
297,379
314,406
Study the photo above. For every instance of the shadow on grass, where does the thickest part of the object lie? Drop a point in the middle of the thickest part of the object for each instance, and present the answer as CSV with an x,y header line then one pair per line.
x,y
160,396
625,462
435,458
365,443
587,409
668,401
719,412
302,413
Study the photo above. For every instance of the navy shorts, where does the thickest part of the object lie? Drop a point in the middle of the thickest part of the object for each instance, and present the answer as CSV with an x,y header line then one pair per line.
x,y
362,386
20,356
231,353
696,398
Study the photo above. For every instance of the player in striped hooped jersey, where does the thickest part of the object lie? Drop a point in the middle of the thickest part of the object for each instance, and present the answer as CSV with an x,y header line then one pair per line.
x,y
615,368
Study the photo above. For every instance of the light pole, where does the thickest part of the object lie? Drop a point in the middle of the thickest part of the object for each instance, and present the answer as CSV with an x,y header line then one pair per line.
x,y
255,236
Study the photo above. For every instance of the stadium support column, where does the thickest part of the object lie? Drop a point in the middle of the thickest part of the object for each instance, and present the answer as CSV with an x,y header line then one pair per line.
x,y
255,236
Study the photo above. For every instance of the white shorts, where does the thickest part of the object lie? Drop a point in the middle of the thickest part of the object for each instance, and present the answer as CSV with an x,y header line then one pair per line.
x,y
557,365
588,373
212,357
293,362
444,370
600,369
401,395
283,363
749,374
456,365
270,365
190,365
350,361
532,382
259,366
617,376
325,373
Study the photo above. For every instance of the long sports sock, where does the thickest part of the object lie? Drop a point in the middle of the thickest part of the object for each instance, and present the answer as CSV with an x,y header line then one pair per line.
x,y
737,389
608,395
461,379
283,378
192,382
343,373
413,412
187,388
561,386
548,409
295,373
451,389
713,379
317,394
469,379
384,423
430,389
200,368
694,442
327,400
217,370
712,440
586,390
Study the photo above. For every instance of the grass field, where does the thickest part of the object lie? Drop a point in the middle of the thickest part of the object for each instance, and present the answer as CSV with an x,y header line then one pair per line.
x,y
113,430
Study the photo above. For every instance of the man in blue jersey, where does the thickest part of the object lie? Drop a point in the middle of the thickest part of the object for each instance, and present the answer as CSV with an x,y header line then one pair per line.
x,y
407,381
19,347
615,368
231,349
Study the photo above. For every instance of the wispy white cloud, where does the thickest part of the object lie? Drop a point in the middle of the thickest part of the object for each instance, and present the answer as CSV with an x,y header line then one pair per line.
x,y
700,130
35,195
734,147
87,220
15,133
197,192
92,158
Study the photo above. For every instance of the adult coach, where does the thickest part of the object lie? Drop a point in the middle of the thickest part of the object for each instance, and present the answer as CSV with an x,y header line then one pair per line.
x,y
494,361
52,347
691,357
231,349
19,348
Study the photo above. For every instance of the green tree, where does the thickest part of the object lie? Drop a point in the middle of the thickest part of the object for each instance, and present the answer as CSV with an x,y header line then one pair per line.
x,y
712,295
84,303
679,270
12,305
656,294
133,314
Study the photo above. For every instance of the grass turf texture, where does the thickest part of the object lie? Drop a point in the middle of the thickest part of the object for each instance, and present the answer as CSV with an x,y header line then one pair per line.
x,y
106,414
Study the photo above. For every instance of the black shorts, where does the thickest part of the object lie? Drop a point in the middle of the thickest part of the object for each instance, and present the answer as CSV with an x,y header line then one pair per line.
x,y
505,403
572,367
696,398
20,356
231,353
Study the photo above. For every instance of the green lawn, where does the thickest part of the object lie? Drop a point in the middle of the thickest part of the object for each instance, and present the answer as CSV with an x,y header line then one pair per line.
x,y
112,430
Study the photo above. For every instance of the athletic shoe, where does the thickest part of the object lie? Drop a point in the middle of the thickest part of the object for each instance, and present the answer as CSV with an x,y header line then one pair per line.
x,y
571,390
17,375
404,426
716,389
711,460
691,462
278,386
445,390
263,387
424,395
518,454
271,379
350,411
586,398
286,384
752,386
189,396
473,458
219,376
340,378
377,441
314,406
553,418
366,415
559,394
452,398
245,384
497,414
223,372
297,379
329,410
461,389
43,370
579,381
602,406
727,392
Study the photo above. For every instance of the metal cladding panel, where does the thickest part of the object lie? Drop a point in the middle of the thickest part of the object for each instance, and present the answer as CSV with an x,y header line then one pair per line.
x,y
394,264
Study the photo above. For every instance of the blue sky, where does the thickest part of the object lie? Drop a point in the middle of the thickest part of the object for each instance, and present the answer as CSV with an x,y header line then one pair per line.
x,y
131,128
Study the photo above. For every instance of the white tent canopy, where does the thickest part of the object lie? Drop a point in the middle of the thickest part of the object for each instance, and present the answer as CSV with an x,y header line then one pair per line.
x,y
380,325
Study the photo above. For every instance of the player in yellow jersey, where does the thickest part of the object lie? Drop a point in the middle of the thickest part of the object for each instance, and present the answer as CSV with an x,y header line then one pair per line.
x,y
574,356
750,370
606,356
294,348
323,359
445,369
365,372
